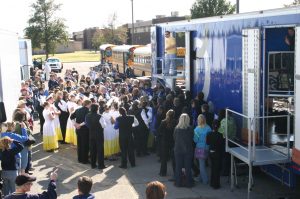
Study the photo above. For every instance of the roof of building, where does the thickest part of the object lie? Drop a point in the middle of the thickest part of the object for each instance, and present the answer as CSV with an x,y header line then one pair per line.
x,y
104,46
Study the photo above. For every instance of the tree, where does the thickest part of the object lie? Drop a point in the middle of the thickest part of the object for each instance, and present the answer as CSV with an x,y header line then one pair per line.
x,y
112,34
208,8
98,39
294,3
44,29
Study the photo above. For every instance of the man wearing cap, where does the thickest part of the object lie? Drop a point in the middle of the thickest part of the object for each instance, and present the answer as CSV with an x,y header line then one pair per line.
x,y
24,183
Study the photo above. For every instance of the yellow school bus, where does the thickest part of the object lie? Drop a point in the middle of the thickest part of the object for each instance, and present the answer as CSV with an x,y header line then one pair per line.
x,y
106,53
122,57
142,61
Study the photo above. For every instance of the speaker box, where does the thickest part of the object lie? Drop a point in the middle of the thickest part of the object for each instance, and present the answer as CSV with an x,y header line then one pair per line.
x,y
2,113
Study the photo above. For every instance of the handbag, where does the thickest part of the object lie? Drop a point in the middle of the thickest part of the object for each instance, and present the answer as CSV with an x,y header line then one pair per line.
x,y
201,153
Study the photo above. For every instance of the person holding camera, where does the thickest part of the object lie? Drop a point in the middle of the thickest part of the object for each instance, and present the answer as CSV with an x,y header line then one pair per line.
x,y
24,183
11,132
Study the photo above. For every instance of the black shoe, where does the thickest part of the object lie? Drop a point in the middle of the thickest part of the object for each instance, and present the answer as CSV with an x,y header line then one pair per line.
x,y
102,167
162,174
93,166
123,167
133,165
146,154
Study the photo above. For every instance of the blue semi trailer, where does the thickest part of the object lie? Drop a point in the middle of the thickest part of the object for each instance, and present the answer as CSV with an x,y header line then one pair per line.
x,y
250,64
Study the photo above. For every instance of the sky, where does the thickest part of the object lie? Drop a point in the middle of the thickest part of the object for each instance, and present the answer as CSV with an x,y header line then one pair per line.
x,y
81,14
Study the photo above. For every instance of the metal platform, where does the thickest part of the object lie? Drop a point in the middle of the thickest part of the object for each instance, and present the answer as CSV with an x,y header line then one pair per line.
x,y
250,149
263,155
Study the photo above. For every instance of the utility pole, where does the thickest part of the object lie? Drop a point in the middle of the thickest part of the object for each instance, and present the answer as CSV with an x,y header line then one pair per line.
x,y
237,6
132,22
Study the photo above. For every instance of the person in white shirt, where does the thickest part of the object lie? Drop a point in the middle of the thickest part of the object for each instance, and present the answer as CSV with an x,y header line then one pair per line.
x,y
47,71
146,114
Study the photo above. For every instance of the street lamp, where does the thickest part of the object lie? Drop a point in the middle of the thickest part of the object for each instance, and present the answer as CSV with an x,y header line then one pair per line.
x,y
237,6
132,22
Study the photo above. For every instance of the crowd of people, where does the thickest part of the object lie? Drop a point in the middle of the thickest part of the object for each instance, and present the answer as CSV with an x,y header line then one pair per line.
x,y
106,117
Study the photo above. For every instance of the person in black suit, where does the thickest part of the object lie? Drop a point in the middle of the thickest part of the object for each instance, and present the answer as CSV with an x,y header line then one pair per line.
x,y
208,116
82,131
216,144
61,105
125,123
96,123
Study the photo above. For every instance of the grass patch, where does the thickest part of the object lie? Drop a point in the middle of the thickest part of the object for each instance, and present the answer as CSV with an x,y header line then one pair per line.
x,y
77,56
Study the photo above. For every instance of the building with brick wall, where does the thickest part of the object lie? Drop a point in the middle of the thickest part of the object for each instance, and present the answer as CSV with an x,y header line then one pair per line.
x,y
142,28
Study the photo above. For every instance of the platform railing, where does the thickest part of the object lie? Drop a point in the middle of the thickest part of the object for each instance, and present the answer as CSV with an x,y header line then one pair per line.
x,y
250,133
168,67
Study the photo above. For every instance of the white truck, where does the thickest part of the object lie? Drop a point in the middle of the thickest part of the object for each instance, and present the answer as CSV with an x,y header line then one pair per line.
x,y
10,78
25,50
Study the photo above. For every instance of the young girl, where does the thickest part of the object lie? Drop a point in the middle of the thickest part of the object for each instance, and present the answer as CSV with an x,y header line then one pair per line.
x,y
216,144
56,114
201,151
111,136
50,142
71,137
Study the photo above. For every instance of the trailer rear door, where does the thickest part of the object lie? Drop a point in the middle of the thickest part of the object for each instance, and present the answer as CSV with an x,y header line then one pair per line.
x,y
251,69
297,88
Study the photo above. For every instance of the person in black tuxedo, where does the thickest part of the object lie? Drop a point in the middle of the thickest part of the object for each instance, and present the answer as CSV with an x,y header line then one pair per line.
x,y
125,123
82,131
96,123
61,105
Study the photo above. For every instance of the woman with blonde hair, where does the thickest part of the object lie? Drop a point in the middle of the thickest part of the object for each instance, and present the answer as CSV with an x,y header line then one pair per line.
x,y
9,163
11,132
201,150
156,190
183,151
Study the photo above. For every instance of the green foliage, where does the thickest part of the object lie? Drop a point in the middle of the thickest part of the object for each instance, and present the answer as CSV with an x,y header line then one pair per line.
x,y
44,29
110,34
294,3
208,8
98,39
